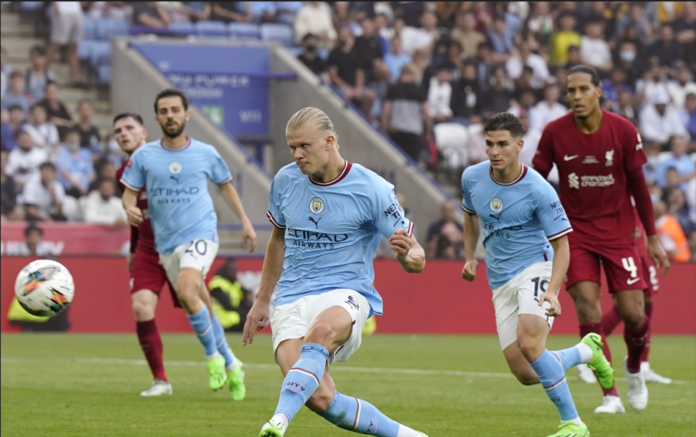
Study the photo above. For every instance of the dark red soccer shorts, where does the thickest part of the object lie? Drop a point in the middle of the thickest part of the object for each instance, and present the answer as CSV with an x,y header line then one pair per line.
x,y
147,273
623,266
650,273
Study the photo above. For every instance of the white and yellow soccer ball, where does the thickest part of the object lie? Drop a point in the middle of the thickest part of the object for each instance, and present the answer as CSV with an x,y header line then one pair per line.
x,y
44,288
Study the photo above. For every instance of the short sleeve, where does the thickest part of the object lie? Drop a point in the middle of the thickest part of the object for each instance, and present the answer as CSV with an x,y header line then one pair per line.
x,y
551,214
219,172
634,156
543,159
390,215
274,214
59,191
467,204
133,174
30,195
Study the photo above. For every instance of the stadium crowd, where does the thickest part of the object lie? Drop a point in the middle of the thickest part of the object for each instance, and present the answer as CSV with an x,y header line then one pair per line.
x,y
428,74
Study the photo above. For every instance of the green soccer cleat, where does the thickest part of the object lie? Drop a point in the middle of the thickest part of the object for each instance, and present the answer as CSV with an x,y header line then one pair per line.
x,y
569,429
599,363
216,372
272,430
236,381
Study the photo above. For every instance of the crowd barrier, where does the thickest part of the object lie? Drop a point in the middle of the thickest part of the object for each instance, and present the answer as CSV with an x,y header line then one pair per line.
x,y
435,301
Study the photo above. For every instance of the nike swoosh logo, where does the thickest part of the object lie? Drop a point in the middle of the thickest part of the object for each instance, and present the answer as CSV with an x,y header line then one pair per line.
x,y
632,281
568,158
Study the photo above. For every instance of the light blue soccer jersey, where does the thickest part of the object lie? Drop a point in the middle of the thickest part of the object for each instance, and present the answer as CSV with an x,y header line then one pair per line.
x,y
518,219
177,190
332,231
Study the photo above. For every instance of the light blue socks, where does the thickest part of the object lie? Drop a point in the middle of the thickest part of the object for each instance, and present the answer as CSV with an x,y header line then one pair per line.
x,y
221,342
359,416
202,326
302,380
552,377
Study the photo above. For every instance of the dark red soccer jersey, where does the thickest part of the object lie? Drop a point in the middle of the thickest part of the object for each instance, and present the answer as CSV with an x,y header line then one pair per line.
x,y
592,171
146,237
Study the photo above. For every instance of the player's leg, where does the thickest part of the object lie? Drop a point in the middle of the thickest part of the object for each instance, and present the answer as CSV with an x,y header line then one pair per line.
x,y
610,320
653,286
233,366
144,303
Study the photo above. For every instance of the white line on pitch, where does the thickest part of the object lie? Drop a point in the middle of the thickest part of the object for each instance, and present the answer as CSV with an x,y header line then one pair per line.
x,y
340,368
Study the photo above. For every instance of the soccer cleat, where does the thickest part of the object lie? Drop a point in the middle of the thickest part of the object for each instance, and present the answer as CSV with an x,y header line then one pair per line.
x,y
637,390
651,376
273,430
236,382
570,429
158,388
610,405
422,434
585,374
599,363
216,372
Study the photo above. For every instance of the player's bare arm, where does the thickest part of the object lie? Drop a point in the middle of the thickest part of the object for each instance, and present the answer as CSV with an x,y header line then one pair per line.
x,y
130,204
561,260
407,251
472,231
229,193
260,312
657,254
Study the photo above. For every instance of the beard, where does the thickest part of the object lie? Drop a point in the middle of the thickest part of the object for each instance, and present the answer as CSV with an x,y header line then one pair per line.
x,y
173,134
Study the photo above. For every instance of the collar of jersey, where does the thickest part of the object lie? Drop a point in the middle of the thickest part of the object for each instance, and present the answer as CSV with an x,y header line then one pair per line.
x,y
519,178
339,178
164,146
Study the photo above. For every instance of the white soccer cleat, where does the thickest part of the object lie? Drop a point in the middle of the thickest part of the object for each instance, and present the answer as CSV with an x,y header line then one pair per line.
x,y
586,374
651,376
610,405
159,388
637,390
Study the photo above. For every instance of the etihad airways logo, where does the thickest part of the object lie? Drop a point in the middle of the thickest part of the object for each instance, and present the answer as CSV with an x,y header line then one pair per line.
x,y
576,181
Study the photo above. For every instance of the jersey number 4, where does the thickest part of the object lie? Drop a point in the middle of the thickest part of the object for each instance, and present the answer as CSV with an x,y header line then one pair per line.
x,y
630,266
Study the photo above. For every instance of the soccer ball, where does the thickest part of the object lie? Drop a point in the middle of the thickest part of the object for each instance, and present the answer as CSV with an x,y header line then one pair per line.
x,y
44,288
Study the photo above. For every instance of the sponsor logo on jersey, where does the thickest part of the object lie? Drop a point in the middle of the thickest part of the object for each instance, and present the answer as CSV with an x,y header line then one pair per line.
x,y
576,181
316,205
590,159
609,156
314,240
496,205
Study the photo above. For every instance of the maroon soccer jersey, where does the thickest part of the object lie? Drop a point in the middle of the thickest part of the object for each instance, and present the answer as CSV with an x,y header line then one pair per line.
x,y
592,170
146,236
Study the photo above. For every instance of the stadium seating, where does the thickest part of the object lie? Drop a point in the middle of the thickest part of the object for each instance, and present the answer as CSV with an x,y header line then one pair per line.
x,y
182,28
30,6
244,31
107,28
210,29
281,33
90,29
451,140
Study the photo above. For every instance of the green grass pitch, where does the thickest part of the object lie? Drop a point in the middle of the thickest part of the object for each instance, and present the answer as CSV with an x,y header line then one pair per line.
x,y
88,385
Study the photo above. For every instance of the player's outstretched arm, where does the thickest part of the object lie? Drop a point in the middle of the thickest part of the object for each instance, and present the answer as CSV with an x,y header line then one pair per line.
x,y
229,193
407,251
130,204
472,231
559,268
272,268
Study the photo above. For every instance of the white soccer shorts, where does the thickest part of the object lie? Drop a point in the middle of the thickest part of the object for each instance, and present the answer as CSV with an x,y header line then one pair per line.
x,y
520,295
197,254
293,320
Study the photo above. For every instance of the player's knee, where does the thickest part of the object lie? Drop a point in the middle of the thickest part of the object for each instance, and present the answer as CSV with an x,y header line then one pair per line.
x,y
531,349
320,401
142,310
188,291
321,333
633,320
527,378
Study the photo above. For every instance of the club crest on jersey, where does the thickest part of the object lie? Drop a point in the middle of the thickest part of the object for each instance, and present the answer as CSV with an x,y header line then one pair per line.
x,y
175,167
609,156
496,205
316,205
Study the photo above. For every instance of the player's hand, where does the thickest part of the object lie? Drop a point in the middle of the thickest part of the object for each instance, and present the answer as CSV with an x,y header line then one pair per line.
x,y
256,320
554,309
400,243
469,270
135,216
249,236
129,260
657,254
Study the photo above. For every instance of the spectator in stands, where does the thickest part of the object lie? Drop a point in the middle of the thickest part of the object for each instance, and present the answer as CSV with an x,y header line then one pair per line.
x,y
563,39
440,95
89,134
547,110
573,57
42,132
17,94
524,57
16,118
499,97
688,115
671,234
421,38
151,14
404,113
501,39
628,60
540,22
636,19
57,113
441,237
102,207
105,169
67,29
594,50
309,56
116,10
679,209
466,34
385,30
75,166
24,161
114,154
625,106
7,137
346,72
341,17
285,12
200,11
39,74
396,59
485,64
612,86
683,85
44,196
370,50
685,29
10,209
659,121
315,18
666,49
5,70
33,241
684,165
466,99
651,168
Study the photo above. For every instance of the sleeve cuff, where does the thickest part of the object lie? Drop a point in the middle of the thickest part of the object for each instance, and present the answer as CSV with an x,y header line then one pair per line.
x,y
559,234
467,210
226,181
410,229
273,220
129,186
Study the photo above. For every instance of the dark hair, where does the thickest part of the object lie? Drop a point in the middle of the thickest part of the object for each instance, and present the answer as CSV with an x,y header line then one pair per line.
x,y
47,164
32,228
16,73
171,92
484,45
102,181
85,100
308,36
20,133
38,50
587,70
71,131
49,83
14,108
132,115
505,121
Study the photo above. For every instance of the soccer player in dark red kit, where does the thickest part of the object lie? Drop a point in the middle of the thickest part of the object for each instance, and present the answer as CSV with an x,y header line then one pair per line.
x,y
600,156
147,276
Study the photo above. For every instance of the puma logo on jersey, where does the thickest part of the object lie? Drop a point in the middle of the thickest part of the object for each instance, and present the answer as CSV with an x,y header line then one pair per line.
x,y
176,178
569,158
316,222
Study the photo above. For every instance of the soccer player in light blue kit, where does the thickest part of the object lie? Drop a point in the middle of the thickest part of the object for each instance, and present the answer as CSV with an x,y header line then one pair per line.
x,y
329,216
175,171
527,256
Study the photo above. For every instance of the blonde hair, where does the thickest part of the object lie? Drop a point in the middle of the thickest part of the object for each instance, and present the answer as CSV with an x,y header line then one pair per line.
x,y
314,116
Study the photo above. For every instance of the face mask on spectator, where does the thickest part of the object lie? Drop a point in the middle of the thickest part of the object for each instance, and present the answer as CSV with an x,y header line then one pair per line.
x,y
73,147
113,146
628,56
652,161
311,49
